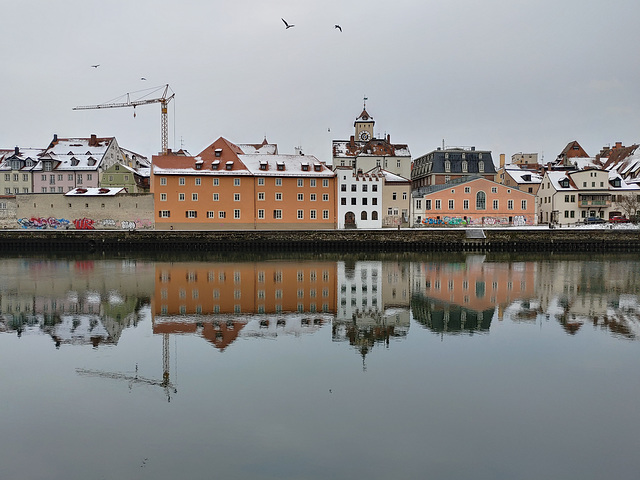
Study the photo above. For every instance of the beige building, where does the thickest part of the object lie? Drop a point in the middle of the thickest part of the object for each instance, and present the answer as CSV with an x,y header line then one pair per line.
x,y
396,200
86,209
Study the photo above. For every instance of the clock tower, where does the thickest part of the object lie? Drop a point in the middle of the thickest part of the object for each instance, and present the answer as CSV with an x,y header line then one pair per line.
x,y
364,125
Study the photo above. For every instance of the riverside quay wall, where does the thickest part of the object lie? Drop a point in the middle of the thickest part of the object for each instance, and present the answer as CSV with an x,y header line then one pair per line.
x,y
410,240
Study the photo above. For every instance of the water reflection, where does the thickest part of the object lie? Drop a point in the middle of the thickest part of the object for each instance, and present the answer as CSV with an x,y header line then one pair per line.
x,y
368,302
74,301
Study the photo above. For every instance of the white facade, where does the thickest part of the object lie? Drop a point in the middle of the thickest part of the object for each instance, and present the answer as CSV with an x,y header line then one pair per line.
x,y
359,198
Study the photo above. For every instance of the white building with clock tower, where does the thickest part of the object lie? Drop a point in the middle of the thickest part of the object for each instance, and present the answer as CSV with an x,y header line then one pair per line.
x,y
365,150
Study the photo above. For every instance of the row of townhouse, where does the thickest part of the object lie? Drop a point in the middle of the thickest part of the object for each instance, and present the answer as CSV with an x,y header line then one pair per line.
x,y
69,163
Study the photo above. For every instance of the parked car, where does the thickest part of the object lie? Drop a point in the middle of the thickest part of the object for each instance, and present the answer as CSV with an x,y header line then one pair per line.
x,y
619,220
591,220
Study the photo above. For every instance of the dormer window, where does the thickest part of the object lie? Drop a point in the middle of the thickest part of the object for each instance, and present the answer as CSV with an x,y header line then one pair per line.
x,y
81,190
91,161
481,166
526,178
564,183
102,191
218,152
198,164
263,165
280,165
74,162
305,167
616,183
229,165
215,165
317,167
447,166
465,166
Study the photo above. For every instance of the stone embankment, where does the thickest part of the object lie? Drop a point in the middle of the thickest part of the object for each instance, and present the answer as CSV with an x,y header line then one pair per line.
x,y
410,240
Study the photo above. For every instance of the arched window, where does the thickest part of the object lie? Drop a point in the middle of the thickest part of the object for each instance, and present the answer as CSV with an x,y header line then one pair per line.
x,y
447,166
464,166
363,215
481,201
481,166
374,215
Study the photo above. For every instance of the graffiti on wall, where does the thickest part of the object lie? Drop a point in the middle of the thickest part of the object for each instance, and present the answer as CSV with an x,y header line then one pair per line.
x,y
40,223
445,221
84,224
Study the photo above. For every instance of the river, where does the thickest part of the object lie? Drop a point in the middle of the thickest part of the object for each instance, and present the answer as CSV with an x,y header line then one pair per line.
x,y
446,366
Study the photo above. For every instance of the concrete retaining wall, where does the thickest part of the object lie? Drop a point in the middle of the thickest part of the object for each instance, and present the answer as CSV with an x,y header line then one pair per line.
x,y
498,240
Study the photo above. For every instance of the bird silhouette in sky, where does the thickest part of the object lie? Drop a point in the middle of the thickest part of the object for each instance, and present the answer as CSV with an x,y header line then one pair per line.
x,y
95,66
338,27
142,78
286,24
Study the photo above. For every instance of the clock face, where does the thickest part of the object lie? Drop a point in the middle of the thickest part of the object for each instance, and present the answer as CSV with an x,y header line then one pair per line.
x,y
364,135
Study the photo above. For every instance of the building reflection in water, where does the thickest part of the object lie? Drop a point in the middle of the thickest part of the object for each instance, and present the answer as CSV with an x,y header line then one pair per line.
x,y
373,305
75,302
462,297
222,301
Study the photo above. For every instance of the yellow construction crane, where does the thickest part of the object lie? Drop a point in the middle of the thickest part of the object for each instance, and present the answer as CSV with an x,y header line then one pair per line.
x,y
142,99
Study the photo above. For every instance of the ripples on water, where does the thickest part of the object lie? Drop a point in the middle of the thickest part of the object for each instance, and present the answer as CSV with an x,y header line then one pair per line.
x,y
314,367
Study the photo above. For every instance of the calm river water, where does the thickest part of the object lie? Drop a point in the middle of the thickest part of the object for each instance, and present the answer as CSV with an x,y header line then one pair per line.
x,y
315,367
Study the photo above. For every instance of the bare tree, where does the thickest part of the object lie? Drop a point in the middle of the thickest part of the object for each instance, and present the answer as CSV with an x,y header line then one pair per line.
x,y
630,204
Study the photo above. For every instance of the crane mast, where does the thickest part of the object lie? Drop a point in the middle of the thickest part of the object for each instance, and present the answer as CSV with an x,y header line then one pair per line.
x,y
163,100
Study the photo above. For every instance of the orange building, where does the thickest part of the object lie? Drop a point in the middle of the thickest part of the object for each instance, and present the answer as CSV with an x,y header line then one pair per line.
x,y
239,187
473,201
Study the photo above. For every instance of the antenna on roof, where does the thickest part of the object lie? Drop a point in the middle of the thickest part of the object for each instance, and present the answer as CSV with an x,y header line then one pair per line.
x,y
364,102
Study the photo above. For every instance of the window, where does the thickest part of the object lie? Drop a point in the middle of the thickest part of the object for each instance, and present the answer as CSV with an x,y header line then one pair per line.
x,y
236,182
261,181
325,182
374,188
427,205
261,214
192,214
495,205
222,214
343,188
278,182
481,201
236,197
374,215
301,182
438,204
374,201
277,214
404,195
163,197
300,214
418,204
181,181
364,187
216,182
524,205
312,214
236,214
465,167
312,197
343,201
181,197
194,197
451,204
494,189
510,204
364,201
211,214
394,196
312,182
300,197
354,188
467,189
260,196
353,201
198,181
325,214
363,215
216,197
279,196
447,166
325,197
164,214
481,165
465,204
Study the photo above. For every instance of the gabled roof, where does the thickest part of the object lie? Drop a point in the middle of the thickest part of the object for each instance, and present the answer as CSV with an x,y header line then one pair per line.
x,y
522,176
363,117
376,147
76,153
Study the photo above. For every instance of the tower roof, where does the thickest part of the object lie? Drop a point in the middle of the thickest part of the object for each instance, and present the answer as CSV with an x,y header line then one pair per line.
x,y
364,117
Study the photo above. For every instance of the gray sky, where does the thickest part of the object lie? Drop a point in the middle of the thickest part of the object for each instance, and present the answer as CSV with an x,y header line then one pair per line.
x,y
504,75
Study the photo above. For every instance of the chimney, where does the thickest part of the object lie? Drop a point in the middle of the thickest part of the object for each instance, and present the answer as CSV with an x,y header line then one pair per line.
x,y
618,144
55,137
352,140
17,151
502,161
93,141
388,138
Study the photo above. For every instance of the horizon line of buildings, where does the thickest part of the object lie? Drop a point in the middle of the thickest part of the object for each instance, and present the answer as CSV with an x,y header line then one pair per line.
x,y
371,183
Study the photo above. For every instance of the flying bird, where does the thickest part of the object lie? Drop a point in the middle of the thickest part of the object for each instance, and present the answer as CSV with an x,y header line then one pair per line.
x,y
338,27
95,66
286,24
142,78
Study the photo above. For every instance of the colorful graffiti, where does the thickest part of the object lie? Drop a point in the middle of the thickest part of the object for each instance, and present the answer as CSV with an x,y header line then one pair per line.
x,y
41,223
84,224
445,221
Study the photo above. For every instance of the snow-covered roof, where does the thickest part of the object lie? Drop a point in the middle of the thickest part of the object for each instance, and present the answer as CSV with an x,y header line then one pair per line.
x,y
291,165
523,176
95,192
76,153
261,149
375,147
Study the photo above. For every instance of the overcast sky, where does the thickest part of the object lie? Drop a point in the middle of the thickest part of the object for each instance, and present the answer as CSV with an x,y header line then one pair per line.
x,y
502,75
